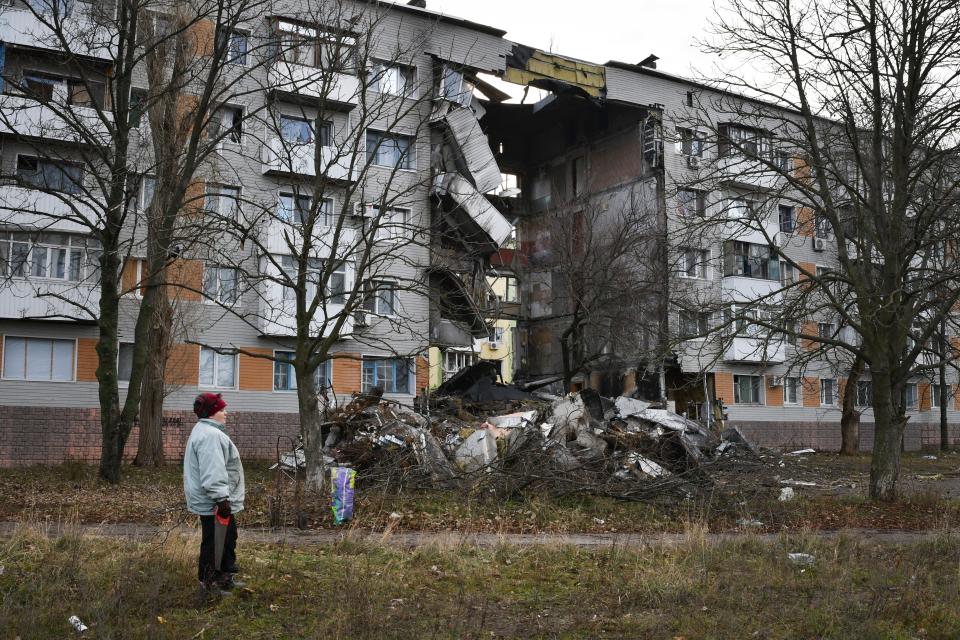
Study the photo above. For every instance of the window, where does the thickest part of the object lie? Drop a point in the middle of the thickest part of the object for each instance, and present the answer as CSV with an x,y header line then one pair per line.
x,y
454,87
511,290
747,389
54,256
73,91
826,330
336,280
392,78
578,176
822,227
750,260
691,203
229,122
790,386
124,361
293,208
737,139
61,8
690,142
148,186
235,43
391,374
788,273
38,359
864,393
693,263
223,202
495,336
740,208
284,376
694,324
218,369
390,150
380,297
454,361
828,392
910,395
55,175
220,284
138,106
296,130
935,395
788,222
296,43
392,225
751,323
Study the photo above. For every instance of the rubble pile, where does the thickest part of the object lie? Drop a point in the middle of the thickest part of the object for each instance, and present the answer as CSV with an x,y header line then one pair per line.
x,y
474,431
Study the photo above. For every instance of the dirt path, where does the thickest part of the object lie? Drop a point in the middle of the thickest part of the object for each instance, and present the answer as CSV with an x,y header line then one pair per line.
x,y
294,537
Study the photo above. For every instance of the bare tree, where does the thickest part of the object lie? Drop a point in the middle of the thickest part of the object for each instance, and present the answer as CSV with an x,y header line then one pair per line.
x,y
131,132
852,127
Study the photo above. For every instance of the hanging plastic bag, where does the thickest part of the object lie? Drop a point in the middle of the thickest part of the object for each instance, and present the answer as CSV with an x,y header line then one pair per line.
x,y
342,481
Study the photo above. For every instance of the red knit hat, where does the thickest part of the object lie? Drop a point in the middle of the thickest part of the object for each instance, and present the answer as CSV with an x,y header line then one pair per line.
x,y
208,404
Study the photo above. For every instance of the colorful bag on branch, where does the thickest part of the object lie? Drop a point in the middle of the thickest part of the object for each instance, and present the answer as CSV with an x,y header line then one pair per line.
x,y
341,489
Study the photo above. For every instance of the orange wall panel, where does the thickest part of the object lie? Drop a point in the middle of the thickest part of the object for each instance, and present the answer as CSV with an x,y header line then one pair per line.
x,y
923,396
256,374
189,275
805,222
723,386
201,36
810,329
423,374
87,360
774,396
346,374
183,365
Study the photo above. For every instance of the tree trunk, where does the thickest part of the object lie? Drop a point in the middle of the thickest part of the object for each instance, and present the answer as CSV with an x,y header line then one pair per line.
x,y
111,450
888,440
942,392
153,391
849,416
310,429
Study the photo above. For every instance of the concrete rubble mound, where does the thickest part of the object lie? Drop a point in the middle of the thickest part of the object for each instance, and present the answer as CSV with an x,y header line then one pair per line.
x,y
473,428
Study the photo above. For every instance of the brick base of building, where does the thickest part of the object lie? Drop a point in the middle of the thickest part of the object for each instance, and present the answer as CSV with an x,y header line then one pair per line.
x,y
32,435
826,436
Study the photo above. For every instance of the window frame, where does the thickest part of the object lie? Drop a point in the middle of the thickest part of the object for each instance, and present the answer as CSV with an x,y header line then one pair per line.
x,y
372,294
327,365
833,392
696,196
794,382
25,269
792,226
410,371
756,387
208,267
4,375
78,184
690,142
230,34
234,201
701,263
379,68
236,370
406,160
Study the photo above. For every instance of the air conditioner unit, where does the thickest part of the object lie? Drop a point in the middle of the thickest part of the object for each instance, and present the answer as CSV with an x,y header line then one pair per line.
x,y
775,381
494,345
819,244
693,162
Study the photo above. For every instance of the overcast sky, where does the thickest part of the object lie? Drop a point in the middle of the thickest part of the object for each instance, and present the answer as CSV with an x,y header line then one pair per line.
x,y
599,30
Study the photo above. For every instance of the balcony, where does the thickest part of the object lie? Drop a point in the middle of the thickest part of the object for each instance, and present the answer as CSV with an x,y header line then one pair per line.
x,y
23,208
285,158
277,316
338,91
324,243
23,116
84,36
23,298
739,171
753,231
755,350
481,225
742,290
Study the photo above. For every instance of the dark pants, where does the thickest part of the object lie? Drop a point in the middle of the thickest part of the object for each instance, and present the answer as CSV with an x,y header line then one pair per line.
x,y
206,571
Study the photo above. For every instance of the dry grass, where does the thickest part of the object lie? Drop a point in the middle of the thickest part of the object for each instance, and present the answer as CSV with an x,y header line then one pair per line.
x,y
361,590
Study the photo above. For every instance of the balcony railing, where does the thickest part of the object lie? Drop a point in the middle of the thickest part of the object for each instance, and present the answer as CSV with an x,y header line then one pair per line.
x,y
756,350
338,90
84,36
23,116
22,208
288,158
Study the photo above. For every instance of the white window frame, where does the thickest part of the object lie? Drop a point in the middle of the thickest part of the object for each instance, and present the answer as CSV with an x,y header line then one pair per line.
x,y
867,401
3,362
382,68
411,156
232,203
84,253
833,392
218,298
758,385
700,264
236,370
229,138
914,402
794,383
388,229
373,293
697,140
230,33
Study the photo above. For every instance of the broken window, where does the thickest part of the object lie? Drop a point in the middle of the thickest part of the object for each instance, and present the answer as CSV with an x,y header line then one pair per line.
x,y
750,260
747,389
690,143
228,123
138,106
737,139
578,176
788,220
694,324
454,86
223,202
55,175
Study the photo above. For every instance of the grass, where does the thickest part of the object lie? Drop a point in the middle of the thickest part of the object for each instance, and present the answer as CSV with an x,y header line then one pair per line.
x,y
72,493
356,590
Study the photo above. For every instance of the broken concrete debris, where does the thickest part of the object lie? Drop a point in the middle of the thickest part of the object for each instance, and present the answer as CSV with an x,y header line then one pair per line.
x,y
473,428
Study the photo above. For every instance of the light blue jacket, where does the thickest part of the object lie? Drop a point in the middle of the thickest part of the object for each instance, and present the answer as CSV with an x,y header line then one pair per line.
x,y
212,469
